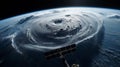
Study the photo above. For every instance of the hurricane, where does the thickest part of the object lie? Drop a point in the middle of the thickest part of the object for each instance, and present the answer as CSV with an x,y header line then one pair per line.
x,y
51,31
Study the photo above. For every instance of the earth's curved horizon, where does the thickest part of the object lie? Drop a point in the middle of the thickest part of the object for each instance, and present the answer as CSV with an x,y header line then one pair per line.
x,y
95,30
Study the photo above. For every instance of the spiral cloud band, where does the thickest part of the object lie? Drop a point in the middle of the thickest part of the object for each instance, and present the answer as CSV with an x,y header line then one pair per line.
x,y
52,29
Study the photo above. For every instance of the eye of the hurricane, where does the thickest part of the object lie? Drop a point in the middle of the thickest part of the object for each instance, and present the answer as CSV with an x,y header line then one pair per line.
x,y
61,27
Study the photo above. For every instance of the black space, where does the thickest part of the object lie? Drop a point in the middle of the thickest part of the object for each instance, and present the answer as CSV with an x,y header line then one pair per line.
x,y
9,8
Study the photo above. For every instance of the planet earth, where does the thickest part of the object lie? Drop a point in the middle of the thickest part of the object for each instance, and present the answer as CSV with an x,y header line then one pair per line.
x,y
96,32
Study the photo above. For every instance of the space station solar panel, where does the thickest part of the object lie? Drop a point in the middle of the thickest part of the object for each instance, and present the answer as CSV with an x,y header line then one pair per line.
x,y
57,52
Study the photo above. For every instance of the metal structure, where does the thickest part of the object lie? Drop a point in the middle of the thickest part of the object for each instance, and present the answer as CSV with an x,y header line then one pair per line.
x,y
60,53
